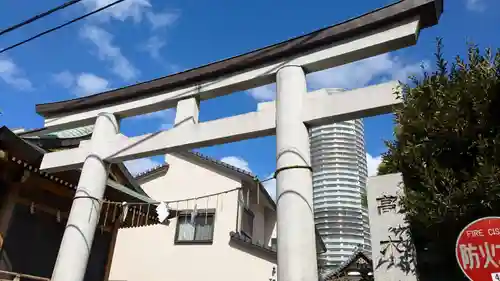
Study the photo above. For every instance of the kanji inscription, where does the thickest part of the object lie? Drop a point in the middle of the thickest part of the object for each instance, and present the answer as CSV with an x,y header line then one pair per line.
x,y
476,256
478,249
386,203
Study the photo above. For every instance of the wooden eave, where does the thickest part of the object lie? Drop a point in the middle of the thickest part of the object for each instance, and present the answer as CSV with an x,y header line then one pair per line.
x,y
19,156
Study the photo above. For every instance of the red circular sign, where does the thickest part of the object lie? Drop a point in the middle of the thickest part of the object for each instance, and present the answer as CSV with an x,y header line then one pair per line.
x,y
478,249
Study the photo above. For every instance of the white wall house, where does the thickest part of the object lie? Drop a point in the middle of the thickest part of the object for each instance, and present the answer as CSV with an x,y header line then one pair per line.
x,y
232,236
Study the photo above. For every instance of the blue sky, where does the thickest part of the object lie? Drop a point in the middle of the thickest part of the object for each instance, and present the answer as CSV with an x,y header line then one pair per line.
x,y
140,40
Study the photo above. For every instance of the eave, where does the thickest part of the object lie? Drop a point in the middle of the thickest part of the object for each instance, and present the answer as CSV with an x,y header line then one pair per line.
x,y
28,156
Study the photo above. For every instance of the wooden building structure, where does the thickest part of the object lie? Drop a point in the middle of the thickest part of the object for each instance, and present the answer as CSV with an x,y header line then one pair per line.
x,y
34,206
358,267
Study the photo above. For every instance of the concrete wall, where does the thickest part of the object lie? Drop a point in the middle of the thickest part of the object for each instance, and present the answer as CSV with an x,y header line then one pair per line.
x,y
392,265
149,253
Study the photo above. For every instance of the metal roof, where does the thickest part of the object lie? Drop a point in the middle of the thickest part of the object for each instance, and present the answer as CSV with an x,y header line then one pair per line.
x,y
64,134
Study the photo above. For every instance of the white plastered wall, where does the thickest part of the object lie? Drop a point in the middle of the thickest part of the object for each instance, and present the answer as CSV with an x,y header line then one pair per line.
x,y
149,253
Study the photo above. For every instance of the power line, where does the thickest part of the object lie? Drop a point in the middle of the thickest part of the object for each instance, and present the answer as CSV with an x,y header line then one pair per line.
x,y
59,26
39,16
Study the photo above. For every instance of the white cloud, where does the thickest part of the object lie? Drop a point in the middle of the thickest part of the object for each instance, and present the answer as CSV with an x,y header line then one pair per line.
x,y
133,9
269,185
153,46
109,52
160,20
140,165
136,10
238,162
373,163
405,71
83,84
12,75
476,5
364,72
264,93
353,75
88,83
162,114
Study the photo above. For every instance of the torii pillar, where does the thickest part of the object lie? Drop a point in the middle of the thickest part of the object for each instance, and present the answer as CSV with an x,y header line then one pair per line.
x,y
296,235
76,244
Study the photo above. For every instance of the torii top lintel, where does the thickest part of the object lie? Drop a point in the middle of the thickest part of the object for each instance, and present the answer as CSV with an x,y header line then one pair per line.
x,y
429,12
426,11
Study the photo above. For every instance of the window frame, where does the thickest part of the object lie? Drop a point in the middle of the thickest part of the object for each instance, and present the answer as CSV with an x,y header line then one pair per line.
x,y
186,213
247,211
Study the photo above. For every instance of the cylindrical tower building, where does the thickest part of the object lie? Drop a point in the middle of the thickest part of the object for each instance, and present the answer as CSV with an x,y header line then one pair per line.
x,y
339,183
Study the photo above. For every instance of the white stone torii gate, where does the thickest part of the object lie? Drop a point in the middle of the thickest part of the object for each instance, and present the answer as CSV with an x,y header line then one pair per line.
x,y
390,28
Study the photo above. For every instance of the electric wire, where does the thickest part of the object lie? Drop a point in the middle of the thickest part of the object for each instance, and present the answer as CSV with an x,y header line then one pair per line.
x,y
59,26
39,16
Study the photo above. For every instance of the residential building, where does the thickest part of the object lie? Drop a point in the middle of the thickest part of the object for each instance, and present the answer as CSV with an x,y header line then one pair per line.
x,y
339,182
232,234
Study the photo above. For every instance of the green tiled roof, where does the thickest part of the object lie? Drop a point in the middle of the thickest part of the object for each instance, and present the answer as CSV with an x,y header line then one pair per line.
x,y
73,133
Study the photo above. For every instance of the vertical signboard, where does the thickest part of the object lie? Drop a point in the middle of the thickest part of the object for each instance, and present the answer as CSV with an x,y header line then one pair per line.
x,y
392,250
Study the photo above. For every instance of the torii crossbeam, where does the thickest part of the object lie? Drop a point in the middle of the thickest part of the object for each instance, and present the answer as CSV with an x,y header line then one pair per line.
x,y
383,30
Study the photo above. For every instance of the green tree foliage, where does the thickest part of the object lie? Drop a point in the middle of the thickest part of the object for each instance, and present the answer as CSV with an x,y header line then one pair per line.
x,y
447,148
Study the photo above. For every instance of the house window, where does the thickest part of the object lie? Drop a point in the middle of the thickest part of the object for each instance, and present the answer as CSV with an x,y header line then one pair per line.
x,y
197,230
247,222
